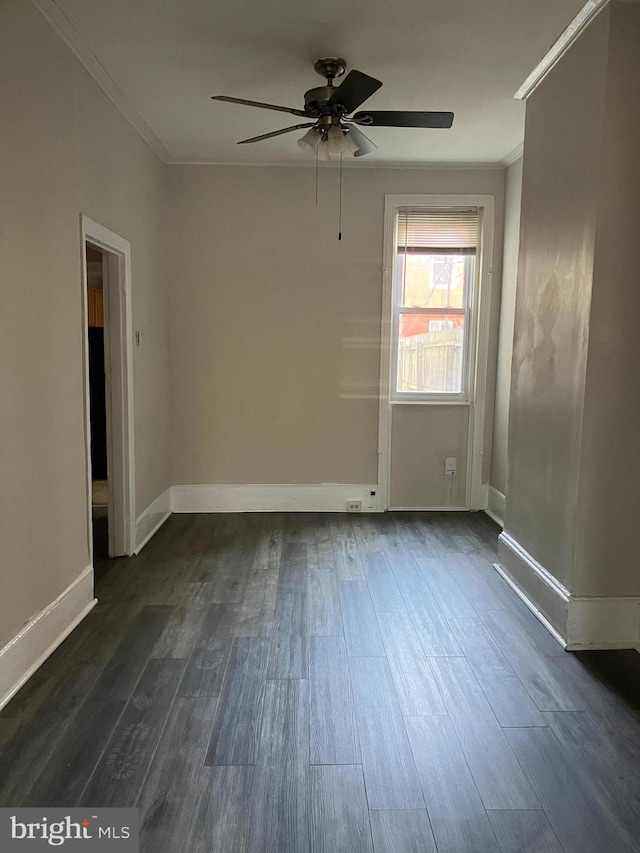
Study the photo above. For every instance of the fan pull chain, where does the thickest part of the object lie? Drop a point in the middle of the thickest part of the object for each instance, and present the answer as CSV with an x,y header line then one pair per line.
x,y
317,166
340,204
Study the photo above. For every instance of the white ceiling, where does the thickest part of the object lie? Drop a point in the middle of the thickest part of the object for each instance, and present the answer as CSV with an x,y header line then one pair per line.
x,y
163,60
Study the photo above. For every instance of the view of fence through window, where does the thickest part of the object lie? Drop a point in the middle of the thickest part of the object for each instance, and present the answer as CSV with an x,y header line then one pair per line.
x,y
433,287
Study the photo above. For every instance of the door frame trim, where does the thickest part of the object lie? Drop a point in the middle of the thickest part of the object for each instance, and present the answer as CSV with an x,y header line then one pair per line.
x,y
476,491
119,385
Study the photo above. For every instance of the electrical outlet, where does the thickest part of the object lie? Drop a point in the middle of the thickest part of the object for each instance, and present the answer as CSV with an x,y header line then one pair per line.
x,y
450,466
354,506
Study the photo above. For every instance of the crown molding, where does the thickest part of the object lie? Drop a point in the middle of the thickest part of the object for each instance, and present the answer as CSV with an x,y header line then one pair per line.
x,y
513,155
409,165
557,50
65,29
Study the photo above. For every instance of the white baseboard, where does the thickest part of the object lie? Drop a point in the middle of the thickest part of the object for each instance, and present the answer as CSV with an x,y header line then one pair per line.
x,y
537,584
152,519
313,497
532,607
496,503
429,509
603,623
43,633
577,622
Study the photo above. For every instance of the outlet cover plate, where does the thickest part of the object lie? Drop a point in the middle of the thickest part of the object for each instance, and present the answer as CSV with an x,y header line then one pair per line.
x,y
450,465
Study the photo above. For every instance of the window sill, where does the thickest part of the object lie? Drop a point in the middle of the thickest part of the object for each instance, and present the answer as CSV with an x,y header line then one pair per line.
x,y
441,401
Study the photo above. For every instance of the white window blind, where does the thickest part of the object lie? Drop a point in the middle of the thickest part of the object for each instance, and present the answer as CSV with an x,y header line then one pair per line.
x,y
449,232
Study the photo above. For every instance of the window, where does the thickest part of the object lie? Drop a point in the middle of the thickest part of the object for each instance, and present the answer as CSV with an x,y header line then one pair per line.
x,y
435,252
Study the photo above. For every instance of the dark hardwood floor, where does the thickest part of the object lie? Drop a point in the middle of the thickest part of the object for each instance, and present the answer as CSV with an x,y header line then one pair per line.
x,y
329,683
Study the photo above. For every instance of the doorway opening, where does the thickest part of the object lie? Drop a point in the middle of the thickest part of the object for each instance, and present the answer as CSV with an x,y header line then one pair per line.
x,y
108,370
94,260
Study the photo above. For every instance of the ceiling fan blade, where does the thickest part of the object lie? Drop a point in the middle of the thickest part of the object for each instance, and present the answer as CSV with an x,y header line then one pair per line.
x,y
276,133
262,106
365,145
355,90
404,119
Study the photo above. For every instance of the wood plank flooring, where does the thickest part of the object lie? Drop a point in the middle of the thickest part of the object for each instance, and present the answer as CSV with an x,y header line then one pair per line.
x,y
307,683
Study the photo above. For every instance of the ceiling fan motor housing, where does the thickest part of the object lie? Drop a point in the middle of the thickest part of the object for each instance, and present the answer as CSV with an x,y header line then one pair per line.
x,y
316,101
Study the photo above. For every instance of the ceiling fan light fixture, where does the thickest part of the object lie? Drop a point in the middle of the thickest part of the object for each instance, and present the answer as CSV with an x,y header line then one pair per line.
x,y
310,140
339,142
322,151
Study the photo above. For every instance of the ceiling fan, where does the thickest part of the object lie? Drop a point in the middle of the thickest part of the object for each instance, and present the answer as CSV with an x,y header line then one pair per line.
x,y
334,127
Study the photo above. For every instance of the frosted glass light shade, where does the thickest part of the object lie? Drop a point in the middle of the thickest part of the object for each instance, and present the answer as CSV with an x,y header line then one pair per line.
x,y
311,140
339,142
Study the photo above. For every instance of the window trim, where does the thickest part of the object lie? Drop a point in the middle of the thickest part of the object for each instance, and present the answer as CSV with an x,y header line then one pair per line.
x,y
477,492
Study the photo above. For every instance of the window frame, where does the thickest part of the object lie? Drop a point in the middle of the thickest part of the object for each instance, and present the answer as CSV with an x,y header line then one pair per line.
x,y
471,287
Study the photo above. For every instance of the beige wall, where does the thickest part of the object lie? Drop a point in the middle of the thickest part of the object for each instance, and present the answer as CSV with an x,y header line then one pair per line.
x,y
574,455
606,552
275,325
421,439
559,194
512,201
64,150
